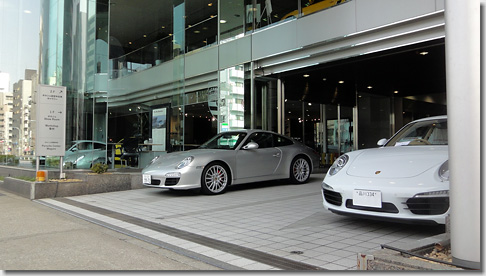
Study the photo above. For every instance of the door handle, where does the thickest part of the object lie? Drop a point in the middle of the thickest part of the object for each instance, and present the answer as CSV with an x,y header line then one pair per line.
x,y
276,154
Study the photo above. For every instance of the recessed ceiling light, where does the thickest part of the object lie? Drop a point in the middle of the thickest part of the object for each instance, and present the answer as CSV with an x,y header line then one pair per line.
x,y
306,76
222,21
324,79
423,53
210,4
396,91
369,87
130,42
144,35
196,32
341,81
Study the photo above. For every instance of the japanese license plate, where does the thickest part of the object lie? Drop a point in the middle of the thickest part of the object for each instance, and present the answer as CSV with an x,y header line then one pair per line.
x,y
147,178
367,198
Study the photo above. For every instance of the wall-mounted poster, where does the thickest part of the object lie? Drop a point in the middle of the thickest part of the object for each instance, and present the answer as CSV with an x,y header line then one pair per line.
x,y
159,129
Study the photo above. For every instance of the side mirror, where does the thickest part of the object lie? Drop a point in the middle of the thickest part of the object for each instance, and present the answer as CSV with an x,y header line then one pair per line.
x,y
382,142
251,145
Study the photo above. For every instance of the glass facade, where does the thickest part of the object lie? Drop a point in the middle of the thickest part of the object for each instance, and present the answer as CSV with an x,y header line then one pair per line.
x,y
151,76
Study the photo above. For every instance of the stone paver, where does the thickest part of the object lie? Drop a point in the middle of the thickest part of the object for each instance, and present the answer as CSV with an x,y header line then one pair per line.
x,y
275,218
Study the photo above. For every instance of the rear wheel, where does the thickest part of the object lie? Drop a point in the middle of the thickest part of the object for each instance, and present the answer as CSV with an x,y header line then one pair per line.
x,y
215,179
300,170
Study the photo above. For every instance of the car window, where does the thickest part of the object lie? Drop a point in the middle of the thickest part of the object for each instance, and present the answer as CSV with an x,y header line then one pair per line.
x,y
99,146
280,141
229,140
433,132
84,146
263,139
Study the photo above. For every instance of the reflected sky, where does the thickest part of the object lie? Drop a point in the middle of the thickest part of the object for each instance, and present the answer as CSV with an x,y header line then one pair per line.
x,y
19,37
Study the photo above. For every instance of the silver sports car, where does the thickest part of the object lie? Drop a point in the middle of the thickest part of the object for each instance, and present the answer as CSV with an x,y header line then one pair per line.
x,y
232,157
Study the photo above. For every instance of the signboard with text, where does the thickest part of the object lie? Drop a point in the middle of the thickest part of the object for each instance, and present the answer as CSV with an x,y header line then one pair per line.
x,y
51,120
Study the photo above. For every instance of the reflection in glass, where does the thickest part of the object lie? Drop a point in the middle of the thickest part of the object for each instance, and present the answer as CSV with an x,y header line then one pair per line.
x,y
231,98
233,18
201,24
312,6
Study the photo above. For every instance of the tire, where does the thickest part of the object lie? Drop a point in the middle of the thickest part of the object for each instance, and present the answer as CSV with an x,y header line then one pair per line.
x,y
215,179
300,170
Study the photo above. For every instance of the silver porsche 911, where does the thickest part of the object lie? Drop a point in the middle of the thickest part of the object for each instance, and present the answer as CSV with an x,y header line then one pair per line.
x,y
232,157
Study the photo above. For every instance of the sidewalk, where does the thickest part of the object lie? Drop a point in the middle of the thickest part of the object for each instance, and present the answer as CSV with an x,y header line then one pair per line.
x,y
35,237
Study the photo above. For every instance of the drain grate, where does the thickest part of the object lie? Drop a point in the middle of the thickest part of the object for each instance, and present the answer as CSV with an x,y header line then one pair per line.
x,y
241,251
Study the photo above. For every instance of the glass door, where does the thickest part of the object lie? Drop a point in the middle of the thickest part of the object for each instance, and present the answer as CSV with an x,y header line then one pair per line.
x,y
340,134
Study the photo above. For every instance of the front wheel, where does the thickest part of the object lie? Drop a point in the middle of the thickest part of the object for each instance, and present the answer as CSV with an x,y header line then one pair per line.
x,y
215,179
300,170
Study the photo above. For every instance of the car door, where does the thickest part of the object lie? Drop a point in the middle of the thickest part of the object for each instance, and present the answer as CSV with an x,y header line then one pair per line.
x,y
260,162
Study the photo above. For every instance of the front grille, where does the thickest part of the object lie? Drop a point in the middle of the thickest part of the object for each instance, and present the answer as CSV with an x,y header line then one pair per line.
x,y
171,181
428,206
155,182
332,197
386,207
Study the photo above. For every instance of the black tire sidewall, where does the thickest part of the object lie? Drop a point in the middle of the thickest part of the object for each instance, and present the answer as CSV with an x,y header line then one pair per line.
x,y
204,188
292,176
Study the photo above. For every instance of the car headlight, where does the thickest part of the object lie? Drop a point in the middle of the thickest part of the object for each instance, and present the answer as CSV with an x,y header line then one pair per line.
x,y
444,171
338,164
185,162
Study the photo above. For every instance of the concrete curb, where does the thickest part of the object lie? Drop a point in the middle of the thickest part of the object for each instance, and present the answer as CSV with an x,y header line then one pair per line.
x,y
80,184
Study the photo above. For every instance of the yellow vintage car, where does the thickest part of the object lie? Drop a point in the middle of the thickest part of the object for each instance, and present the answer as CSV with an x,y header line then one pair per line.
x,y
314,7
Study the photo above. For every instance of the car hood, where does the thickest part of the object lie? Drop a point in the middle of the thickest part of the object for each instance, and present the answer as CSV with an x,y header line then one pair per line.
x,y
396,162
174,158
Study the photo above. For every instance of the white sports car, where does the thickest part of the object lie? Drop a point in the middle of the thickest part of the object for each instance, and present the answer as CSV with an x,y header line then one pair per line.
x,y
406,179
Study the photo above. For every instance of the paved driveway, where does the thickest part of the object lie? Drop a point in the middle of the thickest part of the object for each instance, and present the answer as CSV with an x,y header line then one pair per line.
x,y
261,226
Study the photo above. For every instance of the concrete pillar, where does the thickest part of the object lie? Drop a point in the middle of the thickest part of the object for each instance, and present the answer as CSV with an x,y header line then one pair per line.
x,y
462,25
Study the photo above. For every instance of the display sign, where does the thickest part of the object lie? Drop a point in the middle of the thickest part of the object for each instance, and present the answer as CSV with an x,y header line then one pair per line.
x,y
159,128
51,121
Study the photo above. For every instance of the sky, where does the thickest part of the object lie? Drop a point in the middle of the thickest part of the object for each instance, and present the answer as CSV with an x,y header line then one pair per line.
x,y
19,37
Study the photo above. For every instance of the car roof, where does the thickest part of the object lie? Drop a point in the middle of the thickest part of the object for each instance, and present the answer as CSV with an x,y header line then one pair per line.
x,y
432,118
86,141
249,131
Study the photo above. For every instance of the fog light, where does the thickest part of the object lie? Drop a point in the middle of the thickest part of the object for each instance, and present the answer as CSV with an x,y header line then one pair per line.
x,y
444,193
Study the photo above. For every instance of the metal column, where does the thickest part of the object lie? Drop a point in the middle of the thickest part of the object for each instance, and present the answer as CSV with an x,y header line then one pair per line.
x,y
462,27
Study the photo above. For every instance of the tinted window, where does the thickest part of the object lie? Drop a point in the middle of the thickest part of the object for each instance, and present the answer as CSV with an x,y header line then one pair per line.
x,y
263,139
280,141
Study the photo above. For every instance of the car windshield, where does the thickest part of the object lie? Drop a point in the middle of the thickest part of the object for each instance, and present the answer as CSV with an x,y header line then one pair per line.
x,y
224,140
432,132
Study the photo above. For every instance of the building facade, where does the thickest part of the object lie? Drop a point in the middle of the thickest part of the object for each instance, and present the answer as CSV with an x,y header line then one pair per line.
x,y
173,73
23,115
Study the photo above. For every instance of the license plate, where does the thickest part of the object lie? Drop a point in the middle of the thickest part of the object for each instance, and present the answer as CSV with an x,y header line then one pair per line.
x,y
367,198
147,178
